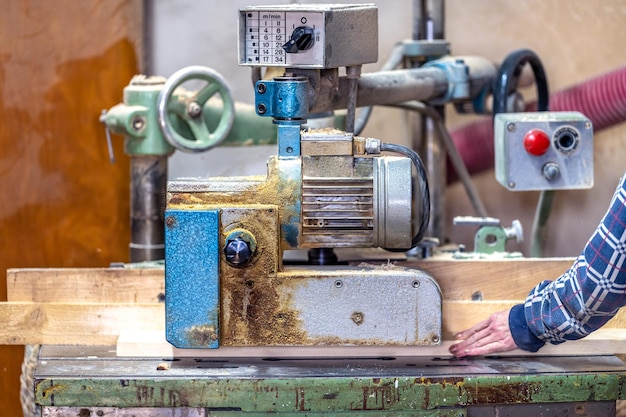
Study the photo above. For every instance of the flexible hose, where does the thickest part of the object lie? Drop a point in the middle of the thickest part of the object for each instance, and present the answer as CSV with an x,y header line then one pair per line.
x,y
423,183
602,99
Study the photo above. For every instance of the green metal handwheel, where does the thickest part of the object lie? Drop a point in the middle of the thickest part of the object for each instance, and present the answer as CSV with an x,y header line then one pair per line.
x,y
181,114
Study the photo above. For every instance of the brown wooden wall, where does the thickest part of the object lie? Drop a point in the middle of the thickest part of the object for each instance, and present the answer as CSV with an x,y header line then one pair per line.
x,y
61,201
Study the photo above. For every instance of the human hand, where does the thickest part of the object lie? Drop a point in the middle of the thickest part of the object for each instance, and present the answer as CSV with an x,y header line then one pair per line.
x,y
488,336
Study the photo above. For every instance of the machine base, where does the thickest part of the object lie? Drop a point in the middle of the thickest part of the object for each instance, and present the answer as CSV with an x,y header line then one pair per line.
x,y
93,381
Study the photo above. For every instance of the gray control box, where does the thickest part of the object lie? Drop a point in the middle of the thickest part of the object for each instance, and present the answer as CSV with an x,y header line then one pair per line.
x,y
543,150
313,36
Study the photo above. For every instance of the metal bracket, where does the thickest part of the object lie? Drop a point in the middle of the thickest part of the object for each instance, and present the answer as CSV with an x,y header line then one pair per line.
x,y
491,237
284,98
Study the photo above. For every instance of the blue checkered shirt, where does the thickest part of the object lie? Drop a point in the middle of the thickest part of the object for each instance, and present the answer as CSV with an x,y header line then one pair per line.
x,y
585,297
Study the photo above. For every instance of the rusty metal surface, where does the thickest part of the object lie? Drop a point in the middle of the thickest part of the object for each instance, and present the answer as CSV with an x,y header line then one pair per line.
x,y
301,203
595,409
320,306
122,412
323,385
281,188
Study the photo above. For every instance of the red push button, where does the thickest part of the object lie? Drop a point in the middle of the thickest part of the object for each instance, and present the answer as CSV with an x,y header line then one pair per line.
x,y
536,142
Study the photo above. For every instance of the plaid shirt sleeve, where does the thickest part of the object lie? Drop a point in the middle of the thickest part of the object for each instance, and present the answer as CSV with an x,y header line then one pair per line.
x,y
585,297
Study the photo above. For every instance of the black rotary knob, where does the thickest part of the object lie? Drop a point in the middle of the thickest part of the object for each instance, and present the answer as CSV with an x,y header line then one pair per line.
x,y
237,252
302,38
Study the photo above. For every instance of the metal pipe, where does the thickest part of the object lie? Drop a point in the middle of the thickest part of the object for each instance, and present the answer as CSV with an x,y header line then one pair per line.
x,y
148,181
428,19
385,87
429,25
388,87
352,74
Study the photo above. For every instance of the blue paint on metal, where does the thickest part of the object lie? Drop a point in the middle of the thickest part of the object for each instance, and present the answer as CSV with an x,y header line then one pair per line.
x,y
290,184
192,278
284,99
288,138
290,232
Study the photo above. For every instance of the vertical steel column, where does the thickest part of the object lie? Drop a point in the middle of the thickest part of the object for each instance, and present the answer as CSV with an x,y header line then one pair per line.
x,y
148,181
428,24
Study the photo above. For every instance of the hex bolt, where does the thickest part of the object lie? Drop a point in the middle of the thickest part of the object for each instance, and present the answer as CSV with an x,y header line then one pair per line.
x,y
261,108
194,109
237,252
170,221
138,123
357,317
261,88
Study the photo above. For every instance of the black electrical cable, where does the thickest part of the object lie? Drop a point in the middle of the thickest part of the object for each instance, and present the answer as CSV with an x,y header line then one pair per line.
x,y
423,183
508,77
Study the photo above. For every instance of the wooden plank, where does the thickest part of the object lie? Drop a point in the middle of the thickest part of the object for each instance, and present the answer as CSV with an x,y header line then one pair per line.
x,y
459,315
84,285
75,324
64,323
501,279
506,279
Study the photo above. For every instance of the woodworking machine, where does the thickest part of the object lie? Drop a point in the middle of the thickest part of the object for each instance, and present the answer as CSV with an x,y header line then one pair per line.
x,y
226,280
252,261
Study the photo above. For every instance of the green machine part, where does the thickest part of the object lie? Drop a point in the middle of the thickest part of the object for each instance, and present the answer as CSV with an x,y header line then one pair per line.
x,y
136,118
326,387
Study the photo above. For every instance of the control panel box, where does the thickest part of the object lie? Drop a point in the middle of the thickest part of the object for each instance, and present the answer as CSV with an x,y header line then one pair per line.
x,y
312,36
543,151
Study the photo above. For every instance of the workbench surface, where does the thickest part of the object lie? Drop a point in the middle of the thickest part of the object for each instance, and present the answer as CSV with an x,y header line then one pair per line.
x,y
83,376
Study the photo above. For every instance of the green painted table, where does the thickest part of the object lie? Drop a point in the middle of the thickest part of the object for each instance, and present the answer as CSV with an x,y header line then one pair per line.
x,y
92,381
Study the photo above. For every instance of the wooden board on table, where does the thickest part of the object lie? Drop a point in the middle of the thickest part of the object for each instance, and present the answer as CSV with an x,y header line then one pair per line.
x,y
85,285
75,324
505,279
491,279
101,324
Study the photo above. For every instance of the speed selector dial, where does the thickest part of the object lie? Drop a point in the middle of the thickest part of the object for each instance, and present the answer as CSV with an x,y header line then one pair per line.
x,y
302,38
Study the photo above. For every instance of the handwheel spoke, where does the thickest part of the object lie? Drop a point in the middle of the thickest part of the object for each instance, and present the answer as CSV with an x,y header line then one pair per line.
x,y
206,93
198,128
177,107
